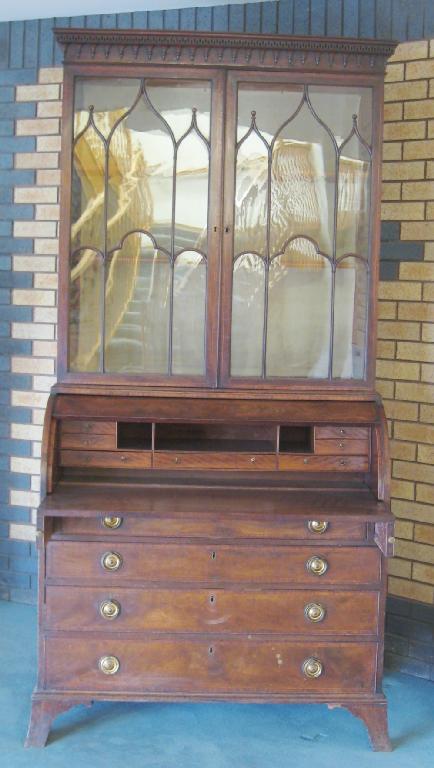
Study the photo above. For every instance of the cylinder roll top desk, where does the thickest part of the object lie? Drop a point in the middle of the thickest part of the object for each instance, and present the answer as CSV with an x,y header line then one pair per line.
x,y
215,520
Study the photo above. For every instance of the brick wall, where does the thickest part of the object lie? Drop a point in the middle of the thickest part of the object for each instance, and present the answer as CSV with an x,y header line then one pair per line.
x,y
405,365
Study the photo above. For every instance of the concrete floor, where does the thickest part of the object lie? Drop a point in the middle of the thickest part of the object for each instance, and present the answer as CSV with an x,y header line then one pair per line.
x,y
199,735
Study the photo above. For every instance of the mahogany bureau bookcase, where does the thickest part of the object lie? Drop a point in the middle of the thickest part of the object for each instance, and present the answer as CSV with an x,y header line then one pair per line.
x,y
215,515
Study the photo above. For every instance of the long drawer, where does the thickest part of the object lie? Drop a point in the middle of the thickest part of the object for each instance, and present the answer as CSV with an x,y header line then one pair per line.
x,y
316,612
265,526
207,665
70,560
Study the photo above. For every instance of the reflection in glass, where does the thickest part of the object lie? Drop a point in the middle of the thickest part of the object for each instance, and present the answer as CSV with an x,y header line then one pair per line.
x,y
191,212
85,299
350,319
298,328
251,195
87,198
335,105
174,101
247,316
352,234
189,303
109,97
273,104
137,301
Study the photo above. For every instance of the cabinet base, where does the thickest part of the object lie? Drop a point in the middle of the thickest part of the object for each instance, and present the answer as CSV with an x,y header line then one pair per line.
x,y
47,706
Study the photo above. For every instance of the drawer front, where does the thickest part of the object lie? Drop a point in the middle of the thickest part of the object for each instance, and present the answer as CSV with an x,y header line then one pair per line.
x,y
205,610
186,563
208,666
211,460
88,441
76,426
343,446
206,527
351,433
313,463
106,459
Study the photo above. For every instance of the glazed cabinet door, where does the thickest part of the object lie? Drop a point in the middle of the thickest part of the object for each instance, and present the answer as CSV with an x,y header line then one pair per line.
x,y
145,209
298,188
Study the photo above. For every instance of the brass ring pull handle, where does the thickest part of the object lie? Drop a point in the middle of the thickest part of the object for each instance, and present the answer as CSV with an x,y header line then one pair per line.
x,y
111,522
317,526
110,609
312,667
111,561
314,612
317,565
109,665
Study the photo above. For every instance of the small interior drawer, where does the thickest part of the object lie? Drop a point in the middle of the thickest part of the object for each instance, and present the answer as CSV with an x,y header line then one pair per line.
x,y
87,441
213,460
95,427
352,433
345,446
318,463
106,459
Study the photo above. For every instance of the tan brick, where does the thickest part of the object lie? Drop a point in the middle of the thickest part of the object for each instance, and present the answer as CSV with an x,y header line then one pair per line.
x,y
34,229
29,399
32,331
32,298
385,388
26,432
35,194
400,291
391,369
37,126
386,350
46,92
429,212
408,51
427,332
410,589
22,532
402,211
47,212
402,130
402,411
424,573
390,191
392,150
49,109
48,144
406,470
24,465
430,170
431,129
413,150
412,510
414,110
405,91
36,450
427,373
417,70
51,75
36,160
45,315
387,310
47,246
43,384
394,72
423,230
32,365
404,529
34,263
24,498
422,311
401,489
416,270
393,111
413,551
418,190
425,493
46,280
48,178
389,329
427,414
35,484
44,349
38,416
419,393
401,171
418,433
425,454
402,451
398,567
422,352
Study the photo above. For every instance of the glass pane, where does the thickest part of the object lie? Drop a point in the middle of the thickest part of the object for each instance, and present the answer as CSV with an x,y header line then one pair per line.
x,y
251,196
189,307
303,183
350,320
247,316
272,103
353,199
137,308
174,100
336,105
299,300
87,191
85,296
191,211
108,97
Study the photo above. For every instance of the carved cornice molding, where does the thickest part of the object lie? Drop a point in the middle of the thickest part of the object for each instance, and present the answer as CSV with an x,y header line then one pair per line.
x,y
230,50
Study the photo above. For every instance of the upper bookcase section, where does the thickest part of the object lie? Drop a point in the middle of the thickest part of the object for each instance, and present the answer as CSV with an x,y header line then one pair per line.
x,y
220,210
